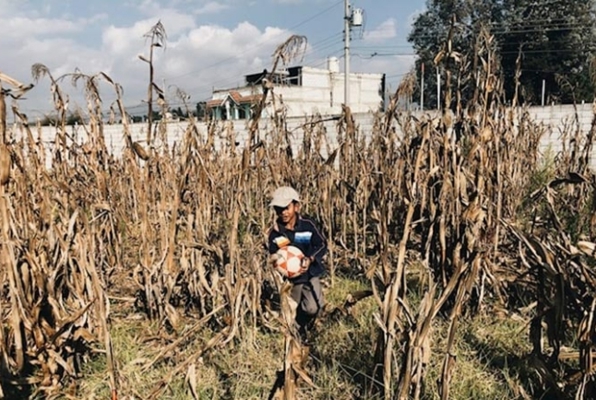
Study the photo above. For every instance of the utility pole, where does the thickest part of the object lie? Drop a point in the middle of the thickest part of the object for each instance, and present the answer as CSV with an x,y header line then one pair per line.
x,y
422,87
347,27
438,89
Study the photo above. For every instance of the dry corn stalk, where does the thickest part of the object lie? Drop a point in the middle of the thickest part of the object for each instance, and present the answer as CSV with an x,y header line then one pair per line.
x,y
4,164
193,217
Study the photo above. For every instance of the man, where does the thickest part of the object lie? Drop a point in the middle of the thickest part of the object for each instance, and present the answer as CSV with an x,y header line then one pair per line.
x,y
291,228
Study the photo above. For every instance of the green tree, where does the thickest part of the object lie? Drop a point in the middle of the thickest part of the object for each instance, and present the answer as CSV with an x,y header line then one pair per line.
x,y
556,40
180,113
431,29
74,118
49,120
200,110
52,120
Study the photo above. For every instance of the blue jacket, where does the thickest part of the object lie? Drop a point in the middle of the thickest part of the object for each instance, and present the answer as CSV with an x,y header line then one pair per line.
x,y
306,237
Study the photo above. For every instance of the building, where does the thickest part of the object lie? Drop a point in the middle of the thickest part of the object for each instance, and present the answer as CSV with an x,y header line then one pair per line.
x,y
302,91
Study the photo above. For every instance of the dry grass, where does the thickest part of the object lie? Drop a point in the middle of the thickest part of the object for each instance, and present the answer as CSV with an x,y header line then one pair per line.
x,y
429,223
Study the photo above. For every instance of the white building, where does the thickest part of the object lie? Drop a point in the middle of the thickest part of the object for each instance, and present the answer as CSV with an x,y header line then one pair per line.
x,y
302,90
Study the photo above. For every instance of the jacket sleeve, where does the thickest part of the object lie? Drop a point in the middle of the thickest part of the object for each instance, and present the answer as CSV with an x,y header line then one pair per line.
x,y
271,245
318,244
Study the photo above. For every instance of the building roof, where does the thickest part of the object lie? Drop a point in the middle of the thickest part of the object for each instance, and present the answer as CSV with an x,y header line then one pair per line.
x,y
236,97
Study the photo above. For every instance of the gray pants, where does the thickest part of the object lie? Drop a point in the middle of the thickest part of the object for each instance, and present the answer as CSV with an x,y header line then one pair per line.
x,y
309,296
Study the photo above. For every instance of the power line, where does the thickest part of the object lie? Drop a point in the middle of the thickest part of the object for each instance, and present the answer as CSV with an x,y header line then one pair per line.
x,y
323,60
504,31
388,46
548,21
376,54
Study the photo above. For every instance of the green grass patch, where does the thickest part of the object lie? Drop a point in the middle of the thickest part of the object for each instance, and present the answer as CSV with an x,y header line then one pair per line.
x,y
341,365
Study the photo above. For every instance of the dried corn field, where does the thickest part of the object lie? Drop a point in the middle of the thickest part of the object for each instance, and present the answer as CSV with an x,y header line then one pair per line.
x,y
441,222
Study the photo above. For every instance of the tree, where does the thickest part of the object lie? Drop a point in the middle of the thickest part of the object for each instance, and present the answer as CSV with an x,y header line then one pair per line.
x,y
54,120
74,118
556,40
180,113
49,120
201,108
463,19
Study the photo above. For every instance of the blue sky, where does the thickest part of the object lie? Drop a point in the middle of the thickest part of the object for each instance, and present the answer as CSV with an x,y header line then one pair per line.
x,y
210,43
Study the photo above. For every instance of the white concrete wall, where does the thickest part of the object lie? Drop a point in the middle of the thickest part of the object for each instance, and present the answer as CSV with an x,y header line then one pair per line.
x,y
322,92
555,119
560,119
365,91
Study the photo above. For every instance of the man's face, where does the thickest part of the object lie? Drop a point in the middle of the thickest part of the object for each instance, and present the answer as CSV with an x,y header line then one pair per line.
x,y
287,213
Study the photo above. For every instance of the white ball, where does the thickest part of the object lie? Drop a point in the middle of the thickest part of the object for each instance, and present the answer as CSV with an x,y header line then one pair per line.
x,y
289,261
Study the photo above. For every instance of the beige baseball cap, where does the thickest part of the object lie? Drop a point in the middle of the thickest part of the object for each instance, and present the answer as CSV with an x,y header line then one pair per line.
x,y
283,196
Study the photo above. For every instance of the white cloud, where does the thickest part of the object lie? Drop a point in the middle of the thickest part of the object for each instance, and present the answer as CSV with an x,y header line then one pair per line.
x,y
386,30
10,6
212,55
196,57
195,61
211,7
155,8
175,21
23,26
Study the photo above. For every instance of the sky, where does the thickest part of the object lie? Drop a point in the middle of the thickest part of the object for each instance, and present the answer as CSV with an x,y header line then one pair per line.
x,y
210,43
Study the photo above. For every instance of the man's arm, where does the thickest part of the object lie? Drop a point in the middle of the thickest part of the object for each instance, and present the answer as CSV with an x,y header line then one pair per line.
x,y
271,245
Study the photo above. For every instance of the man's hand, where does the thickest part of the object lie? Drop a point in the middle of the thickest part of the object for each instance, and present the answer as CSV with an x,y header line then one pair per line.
x,y
306,261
